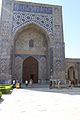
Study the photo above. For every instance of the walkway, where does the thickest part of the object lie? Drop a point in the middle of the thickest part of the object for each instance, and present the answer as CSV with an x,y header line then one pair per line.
x,y
41,104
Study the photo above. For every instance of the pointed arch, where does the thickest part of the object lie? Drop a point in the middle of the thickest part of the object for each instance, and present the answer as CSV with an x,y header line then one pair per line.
x,y
30,25
22,36
30,69
71,73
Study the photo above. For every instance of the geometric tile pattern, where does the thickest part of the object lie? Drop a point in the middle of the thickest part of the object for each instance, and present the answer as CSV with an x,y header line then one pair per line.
x,y
44,21
51,57
24,56
59,56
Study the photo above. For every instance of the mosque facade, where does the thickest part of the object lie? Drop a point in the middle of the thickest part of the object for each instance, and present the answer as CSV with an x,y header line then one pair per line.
x,y
32,44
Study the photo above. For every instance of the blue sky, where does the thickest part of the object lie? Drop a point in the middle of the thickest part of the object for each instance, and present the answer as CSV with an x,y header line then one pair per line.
x,y
71,24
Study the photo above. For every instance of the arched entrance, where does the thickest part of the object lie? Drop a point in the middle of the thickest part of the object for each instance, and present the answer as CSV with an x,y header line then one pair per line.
x,y
71,73
30,69
31,40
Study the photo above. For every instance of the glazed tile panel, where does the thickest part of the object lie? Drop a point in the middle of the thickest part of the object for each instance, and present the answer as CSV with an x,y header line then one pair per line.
x,y
24,14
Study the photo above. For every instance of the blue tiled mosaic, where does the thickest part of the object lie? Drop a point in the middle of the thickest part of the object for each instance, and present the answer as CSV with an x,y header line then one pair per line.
x,y
11,59
58,65
24,56
44,21
51,57
32,8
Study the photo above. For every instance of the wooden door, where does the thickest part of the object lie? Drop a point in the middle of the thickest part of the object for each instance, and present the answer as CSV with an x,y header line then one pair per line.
x,y
30,69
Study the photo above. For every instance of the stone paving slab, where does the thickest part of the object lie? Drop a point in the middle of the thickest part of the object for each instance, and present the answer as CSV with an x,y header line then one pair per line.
x,y
41,104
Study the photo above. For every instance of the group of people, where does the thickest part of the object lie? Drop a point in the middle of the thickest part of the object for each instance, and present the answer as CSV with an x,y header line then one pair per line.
x,y
53,84
18,83
30,83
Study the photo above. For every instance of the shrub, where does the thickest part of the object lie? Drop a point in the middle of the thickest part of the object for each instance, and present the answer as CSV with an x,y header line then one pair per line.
x,y
0,94
5,88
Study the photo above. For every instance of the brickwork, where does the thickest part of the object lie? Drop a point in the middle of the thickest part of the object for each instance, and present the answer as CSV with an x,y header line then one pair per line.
x,y
22,22
73,64
5,41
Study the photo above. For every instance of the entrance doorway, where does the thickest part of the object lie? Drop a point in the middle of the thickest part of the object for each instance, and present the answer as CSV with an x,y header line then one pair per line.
x,y
71,73
30,69
31,76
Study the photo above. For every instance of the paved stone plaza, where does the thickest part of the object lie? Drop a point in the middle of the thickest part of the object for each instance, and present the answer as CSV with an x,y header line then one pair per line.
x,y
41,104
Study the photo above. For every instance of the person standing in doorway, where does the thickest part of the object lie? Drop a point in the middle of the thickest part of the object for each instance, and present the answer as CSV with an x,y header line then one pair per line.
x,y
31,82
26,83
